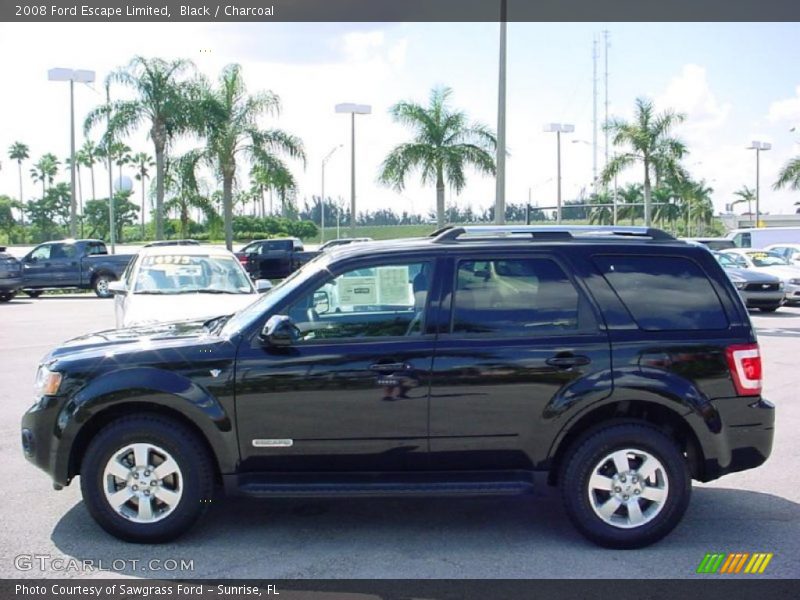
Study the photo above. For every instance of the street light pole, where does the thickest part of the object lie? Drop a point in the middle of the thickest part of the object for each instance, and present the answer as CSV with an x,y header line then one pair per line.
x,y
759,147
500,180
111,229
353,109
558,129
81,76
322,203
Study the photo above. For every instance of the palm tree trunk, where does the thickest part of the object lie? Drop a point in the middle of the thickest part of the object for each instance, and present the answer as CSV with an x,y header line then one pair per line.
x,y
91,170
159,147
143,202
21,201
184,220
262,202
439,199
647,191
227,209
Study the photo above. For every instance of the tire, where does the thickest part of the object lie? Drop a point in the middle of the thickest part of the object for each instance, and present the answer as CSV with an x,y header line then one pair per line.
x,y
178,499
661,497
33,293
7,296
769,309
100,285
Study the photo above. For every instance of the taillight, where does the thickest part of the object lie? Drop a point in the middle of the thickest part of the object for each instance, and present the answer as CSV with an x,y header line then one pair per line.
x,y
744,362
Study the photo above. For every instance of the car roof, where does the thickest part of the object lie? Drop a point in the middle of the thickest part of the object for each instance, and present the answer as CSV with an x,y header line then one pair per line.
x,y
185,251
511,237
782,245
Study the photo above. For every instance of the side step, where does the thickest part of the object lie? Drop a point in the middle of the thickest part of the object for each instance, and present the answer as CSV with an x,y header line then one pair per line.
x,y
281,485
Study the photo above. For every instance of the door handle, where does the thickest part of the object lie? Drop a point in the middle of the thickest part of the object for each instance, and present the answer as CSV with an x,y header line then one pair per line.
x,y
567,362
390,367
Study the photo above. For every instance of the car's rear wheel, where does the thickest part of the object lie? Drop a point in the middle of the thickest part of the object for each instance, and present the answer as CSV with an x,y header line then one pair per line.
x,y
100,285
33,293
769,309
7,296
625,486
146,479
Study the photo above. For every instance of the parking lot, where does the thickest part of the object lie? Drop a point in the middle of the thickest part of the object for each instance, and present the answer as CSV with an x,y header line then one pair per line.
x,y
754,511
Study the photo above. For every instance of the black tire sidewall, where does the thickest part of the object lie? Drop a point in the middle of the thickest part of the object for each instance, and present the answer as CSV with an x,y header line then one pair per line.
x,y
590,450
185,448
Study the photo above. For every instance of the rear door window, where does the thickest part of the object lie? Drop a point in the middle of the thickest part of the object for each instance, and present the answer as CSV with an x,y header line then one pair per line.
x,y
515,297
664,293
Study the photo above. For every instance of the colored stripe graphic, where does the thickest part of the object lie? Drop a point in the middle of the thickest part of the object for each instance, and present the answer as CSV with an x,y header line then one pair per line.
x,y
735,562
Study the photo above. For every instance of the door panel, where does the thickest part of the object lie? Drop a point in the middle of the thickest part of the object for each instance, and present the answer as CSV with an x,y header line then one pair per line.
x,y
522,344
351,392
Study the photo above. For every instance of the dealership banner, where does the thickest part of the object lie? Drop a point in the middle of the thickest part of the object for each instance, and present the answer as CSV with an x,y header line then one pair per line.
x,y
398,10
387,589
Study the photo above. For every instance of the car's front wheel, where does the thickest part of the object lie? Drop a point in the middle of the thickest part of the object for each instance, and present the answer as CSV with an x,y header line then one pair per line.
x,y
626,485
7,296
146,478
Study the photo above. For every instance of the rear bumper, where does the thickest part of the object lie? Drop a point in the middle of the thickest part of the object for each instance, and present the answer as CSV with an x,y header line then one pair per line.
x,y
745,439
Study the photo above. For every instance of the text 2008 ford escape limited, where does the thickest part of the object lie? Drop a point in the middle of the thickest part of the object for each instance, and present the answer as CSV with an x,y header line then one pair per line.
x,y
619,362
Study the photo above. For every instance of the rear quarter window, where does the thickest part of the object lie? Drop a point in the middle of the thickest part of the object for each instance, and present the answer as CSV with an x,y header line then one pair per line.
x,y
664,293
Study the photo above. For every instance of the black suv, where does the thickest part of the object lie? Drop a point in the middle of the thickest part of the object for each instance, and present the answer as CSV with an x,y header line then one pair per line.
x,y
619,363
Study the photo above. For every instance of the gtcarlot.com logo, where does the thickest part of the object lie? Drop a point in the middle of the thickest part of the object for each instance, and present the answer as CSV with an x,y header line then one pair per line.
x,y
735,562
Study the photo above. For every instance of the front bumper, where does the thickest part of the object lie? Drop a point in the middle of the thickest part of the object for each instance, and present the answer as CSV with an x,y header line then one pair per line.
x,y
745,439
792,293
762,299
41,440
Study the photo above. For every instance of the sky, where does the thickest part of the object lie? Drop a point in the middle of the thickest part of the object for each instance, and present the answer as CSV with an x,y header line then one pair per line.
x,y
735,83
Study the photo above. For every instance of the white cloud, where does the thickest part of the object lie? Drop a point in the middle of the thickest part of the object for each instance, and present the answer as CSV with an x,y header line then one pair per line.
x,y
787,110
690,92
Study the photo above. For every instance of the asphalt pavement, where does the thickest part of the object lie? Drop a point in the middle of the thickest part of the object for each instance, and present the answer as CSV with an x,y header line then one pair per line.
x,y
46,533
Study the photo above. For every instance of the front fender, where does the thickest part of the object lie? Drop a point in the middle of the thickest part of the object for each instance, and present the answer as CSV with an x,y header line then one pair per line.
x,y
145,385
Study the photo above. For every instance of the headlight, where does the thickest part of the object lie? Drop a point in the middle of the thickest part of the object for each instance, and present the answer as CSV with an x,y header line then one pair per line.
x,y
47,382
780,285
740,285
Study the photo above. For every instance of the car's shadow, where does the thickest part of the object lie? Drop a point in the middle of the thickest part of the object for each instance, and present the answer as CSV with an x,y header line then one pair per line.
x,y
511,537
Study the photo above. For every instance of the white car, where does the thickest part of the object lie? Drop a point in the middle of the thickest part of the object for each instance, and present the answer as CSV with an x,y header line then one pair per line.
x,y
175,283
772,263
790,252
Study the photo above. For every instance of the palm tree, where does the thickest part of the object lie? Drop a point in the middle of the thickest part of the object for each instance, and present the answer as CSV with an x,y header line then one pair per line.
x,y
789,175
444,143
88,155
182,185
45,171
227,118
161,101
603,214
631,196
143,162
745,194
19,152
647,140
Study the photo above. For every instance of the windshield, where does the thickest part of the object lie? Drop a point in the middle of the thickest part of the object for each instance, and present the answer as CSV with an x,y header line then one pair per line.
x,y
269,299
725,260
184,274
766,259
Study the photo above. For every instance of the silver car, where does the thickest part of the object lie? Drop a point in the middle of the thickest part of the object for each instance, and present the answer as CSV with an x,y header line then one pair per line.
x,y
757,289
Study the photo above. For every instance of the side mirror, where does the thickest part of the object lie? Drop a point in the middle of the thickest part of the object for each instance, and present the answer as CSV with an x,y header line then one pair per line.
x,y
280,331
117,288
30,259
263,285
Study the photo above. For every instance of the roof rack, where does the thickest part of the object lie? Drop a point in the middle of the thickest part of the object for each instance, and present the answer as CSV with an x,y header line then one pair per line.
x,y
547,232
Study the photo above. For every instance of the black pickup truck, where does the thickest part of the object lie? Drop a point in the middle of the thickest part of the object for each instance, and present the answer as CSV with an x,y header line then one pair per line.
x,y
274,259
81,264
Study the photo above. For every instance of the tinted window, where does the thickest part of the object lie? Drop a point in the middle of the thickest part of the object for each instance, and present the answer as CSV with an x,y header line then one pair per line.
x,y
381,301
742,240
95,248
41,253
664,293
513,297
